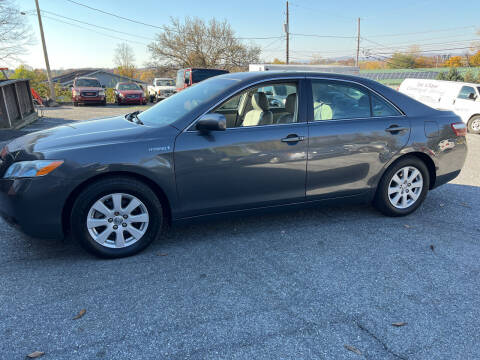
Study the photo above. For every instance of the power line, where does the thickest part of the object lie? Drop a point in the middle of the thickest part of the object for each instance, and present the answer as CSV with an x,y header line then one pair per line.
x,y
325,36
89,29
424,32
90,24
161,27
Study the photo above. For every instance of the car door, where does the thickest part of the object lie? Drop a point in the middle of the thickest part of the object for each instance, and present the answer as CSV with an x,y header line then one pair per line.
x,y
465,102
353,133
248,165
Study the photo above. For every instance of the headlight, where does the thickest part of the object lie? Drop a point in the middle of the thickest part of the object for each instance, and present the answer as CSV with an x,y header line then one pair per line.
x,y
35,168
76,93
101,93
121,95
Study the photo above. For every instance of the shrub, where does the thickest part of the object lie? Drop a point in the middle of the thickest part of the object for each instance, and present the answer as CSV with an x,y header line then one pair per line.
x,y
452,75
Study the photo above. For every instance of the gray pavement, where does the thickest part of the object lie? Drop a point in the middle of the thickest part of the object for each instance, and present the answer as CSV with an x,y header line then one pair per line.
x,y
295,285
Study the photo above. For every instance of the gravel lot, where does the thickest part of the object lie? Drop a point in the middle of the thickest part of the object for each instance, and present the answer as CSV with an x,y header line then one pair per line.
x,y
294,285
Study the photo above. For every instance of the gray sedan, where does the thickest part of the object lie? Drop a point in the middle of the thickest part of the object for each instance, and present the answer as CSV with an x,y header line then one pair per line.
x,y
219,148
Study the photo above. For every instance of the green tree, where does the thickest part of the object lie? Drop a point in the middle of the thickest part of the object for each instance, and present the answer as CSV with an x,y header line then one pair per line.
x,y
401,61
452,75
471,76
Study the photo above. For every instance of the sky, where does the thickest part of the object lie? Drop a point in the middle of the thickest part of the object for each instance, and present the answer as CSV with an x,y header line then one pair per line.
x,y
386,26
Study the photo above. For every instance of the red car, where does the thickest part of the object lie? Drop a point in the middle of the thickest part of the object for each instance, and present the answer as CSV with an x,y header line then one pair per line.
x,y
88,90
129,93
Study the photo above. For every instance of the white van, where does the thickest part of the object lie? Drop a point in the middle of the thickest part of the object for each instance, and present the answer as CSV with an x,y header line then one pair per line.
x,y
460,97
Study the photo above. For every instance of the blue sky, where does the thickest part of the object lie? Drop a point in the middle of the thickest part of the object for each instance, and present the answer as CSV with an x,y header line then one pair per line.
x,y
385,26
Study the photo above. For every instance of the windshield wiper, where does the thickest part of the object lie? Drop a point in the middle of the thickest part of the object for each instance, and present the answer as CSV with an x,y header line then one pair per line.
x,y
133,117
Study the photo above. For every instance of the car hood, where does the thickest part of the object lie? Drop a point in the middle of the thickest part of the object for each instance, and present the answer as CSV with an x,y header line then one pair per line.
x,y
80,134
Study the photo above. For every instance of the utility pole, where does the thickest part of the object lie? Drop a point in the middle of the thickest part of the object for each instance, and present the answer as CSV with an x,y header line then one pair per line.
x,y
45,54
287,31
358,43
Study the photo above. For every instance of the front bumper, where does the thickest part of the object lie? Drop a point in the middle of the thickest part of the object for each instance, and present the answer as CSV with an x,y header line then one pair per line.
x,y
126,100
34,205
89,99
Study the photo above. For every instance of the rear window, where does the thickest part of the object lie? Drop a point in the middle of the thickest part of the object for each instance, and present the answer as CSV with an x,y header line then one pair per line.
x,y
202,74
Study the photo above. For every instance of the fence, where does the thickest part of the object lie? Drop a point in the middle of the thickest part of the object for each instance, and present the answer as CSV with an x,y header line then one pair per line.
x,y
16,105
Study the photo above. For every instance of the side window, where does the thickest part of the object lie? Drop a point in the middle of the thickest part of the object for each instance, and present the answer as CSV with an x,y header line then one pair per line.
x,y
187,77
261,106
334,100
465,93
381,108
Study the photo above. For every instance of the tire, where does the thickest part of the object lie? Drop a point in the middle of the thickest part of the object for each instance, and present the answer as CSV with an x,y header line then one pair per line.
x,y
152,98
109,243
474,125
75,103
414,195
104,103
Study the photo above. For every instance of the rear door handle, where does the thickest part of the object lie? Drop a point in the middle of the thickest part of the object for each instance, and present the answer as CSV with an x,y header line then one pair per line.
x,y
293,138
395,129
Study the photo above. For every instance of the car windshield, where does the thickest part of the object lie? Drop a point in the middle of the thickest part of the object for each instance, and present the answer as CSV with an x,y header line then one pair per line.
x,y
87,82
131,86
165,83
180,104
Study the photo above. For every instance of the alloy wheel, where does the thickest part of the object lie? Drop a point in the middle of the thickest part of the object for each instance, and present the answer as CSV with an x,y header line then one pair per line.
x,y
117,220
405,187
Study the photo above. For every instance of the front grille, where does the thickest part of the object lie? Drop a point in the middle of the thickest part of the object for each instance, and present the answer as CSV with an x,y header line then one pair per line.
x,y
133,96
88,93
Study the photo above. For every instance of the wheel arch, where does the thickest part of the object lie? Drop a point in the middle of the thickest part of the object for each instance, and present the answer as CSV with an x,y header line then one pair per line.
x,y
67,208
427,160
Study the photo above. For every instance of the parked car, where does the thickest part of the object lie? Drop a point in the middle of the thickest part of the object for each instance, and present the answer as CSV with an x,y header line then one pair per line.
x,y
190,76
161,89
129,93
87,90
218,148
460,97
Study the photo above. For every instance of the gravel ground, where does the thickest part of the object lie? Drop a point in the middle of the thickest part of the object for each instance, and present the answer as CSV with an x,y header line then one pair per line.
x,y
296,285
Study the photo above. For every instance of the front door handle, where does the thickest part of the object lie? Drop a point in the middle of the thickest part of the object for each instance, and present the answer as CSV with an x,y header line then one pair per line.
x,y
293,138
395,129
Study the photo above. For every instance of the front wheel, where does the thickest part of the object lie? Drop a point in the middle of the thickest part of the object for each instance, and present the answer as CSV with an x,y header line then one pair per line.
x,y
115,218
403,187
474,125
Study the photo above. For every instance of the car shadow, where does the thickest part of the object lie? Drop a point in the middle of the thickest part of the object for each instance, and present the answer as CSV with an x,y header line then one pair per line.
x,y
443,206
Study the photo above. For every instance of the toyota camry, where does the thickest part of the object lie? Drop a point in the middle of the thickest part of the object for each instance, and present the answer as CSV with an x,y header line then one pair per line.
x,y
219,147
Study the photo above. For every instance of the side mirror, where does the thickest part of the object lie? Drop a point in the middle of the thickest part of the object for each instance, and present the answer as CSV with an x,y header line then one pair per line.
x,y
212,122
472,96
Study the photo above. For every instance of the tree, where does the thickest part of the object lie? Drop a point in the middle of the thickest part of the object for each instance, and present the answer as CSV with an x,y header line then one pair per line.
x,y
194,43
124,60
372,65
454,61
15,34
401,61
470,77
278,61
475,59
424,62
452,75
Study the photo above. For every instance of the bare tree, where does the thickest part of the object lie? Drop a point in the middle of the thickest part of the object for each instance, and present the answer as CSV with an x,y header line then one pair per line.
x,y
194,43
15,34
124,60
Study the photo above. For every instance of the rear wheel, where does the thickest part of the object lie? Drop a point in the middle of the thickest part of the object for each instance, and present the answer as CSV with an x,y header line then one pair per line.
x,y
116,217
403,187
75,103
474,125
